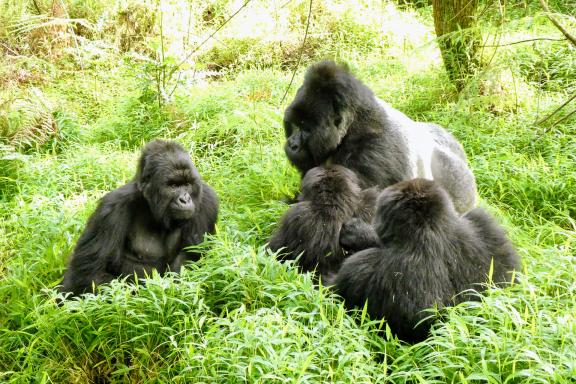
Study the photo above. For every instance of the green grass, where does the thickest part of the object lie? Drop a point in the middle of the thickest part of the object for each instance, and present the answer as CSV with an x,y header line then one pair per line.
x,y
240,316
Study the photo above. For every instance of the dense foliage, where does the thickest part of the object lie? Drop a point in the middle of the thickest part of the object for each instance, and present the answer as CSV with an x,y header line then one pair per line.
x,y
84,83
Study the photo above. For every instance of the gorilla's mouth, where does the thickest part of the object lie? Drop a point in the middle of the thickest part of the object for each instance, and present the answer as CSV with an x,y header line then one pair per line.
x,y
182,213
302,158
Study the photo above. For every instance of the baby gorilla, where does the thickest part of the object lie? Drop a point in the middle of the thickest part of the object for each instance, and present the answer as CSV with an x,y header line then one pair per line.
x,y
330,197
421,253
145,224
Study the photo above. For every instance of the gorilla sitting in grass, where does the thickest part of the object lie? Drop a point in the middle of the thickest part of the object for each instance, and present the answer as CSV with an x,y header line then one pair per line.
x,y
147,223
309,230
419,253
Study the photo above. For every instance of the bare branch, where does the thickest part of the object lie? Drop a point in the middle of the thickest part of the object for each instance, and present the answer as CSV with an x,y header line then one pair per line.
x,y
524,41
564,118
209,37
571,38
556,110
301,52
37,7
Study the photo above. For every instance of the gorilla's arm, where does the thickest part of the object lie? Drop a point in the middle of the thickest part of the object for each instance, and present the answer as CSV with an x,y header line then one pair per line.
x,y
367,205
100,247
499,246
357,235
287,234
204,221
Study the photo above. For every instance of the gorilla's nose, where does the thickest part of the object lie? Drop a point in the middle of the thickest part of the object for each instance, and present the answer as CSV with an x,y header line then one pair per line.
x,y
293,145
184,199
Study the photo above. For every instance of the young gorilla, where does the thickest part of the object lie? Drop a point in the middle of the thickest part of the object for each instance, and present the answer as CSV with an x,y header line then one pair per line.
x,y
336,119
145,224
422,254
331,196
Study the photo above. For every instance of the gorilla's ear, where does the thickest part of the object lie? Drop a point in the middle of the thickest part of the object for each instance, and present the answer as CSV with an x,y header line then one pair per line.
x,y
142,178
141,164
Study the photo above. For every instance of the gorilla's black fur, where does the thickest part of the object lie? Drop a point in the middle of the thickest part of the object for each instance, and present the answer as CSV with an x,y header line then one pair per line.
x,y
426,255
145,224
330,197
336,119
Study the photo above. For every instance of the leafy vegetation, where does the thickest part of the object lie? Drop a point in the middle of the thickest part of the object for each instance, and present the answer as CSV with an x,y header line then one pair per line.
x,y
74,113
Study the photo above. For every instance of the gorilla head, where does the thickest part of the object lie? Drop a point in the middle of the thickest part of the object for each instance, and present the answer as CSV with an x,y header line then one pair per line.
x,y
168,181
418,254
321,113
331,186
414,205
330,196
145,224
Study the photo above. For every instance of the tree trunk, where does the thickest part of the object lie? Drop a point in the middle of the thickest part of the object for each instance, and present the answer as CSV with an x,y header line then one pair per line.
x,y
459,42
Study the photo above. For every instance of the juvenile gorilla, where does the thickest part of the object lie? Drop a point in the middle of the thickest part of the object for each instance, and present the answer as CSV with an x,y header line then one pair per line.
x,y
145,224
336,119
424,254
330,197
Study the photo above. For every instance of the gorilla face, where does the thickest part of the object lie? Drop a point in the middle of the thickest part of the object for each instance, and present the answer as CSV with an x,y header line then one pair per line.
x,y
317,120
183,190
170,183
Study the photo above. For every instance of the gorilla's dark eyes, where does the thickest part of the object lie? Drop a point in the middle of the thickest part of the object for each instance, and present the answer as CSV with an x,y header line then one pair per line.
x,y
179,183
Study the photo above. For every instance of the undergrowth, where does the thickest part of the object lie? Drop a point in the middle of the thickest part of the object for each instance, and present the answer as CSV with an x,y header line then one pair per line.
x,y
238,315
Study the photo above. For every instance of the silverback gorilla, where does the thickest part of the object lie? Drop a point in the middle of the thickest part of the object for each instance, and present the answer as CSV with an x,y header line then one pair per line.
x,y
145,224
336,119
421,254
330,197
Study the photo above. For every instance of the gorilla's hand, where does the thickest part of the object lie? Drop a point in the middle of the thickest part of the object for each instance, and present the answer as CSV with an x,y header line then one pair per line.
x,y
356,235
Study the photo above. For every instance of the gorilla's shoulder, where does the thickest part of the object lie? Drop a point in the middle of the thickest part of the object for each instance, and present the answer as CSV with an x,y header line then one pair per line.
x,y
124,195
485,225
480,217
209,192
210,203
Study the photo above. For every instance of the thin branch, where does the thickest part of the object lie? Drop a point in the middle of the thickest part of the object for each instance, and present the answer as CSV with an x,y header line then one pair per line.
x,y
175,85
285,4
162,56
556,110
301,52
209,37
472,3
10,50
525,41
186,41
557,23
564,118
37,7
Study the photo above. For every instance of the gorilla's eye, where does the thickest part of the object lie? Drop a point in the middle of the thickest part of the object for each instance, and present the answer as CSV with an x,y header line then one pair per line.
x,y
179,183
303,126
